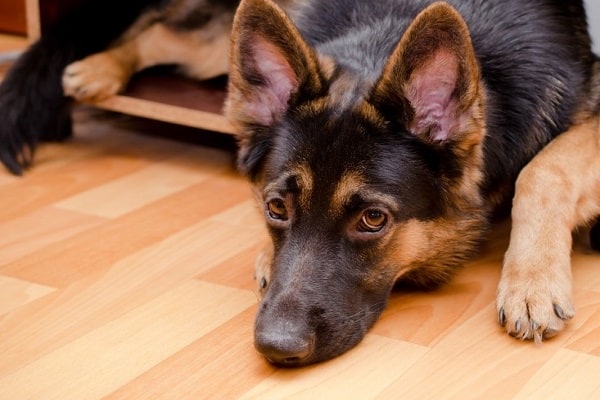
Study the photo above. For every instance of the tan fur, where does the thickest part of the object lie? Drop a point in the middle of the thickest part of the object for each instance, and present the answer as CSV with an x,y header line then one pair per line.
x,y
353,183
262,267
304,178
422,245
201,54
557,192
348,185
327,65
98,76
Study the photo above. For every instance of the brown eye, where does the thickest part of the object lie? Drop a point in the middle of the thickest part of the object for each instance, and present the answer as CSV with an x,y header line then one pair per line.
x,y
277,210
372,221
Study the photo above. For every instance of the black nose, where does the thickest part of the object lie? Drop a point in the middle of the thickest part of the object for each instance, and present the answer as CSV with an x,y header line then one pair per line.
x,y
285,344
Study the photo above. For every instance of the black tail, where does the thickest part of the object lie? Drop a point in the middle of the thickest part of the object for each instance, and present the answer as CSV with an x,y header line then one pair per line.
x,y
32,105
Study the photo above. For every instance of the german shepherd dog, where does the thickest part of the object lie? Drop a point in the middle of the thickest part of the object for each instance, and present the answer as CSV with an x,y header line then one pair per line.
x,y
381,139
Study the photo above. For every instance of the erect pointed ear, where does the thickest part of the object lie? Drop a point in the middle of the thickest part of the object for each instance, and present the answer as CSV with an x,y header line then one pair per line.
x,y
271,68
433,79
271,65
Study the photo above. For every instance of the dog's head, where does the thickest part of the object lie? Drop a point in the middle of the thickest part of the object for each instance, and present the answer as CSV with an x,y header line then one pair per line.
x,y
362,183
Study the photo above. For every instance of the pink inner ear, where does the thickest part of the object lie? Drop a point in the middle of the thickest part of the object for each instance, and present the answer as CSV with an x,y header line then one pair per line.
x,y
269,102
430,91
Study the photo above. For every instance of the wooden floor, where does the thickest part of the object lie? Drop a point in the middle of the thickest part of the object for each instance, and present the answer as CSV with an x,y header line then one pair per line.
x,y
126,273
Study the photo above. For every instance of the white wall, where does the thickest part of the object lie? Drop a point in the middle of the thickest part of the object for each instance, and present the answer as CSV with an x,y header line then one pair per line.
x,y
593,14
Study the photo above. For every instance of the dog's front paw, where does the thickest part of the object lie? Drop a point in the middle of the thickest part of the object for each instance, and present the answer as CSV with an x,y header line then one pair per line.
x,y
95,78
534,300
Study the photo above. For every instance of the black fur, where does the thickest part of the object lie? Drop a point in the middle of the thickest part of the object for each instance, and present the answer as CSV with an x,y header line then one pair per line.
x,y
32,105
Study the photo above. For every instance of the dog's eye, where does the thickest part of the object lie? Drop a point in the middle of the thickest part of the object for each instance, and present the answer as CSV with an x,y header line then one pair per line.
x,y
372,221
277,210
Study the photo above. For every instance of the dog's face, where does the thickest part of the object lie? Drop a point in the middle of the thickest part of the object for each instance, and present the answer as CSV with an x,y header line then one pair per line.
x,y
335,210
361,183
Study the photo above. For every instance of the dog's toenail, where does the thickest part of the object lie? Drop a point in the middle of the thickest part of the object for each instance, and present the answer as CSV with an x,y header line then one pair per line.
x,y
518,326
263,283
502,317
560,313
535,325
548,333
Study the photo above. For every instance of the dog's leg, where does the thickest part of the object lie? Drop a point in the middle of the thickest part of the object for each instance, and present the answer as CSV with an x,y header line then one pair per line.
x,y
201,54
557,191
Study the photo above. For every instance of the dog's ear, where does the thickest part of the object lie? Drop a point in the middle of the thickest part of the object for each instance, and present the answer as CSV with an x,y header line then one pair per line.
x,y
271,68
432,80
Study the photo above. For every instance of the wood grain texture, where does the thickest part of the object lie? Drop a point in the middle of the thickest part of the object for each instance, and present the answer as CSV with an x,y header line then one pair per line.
x,y
126,267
